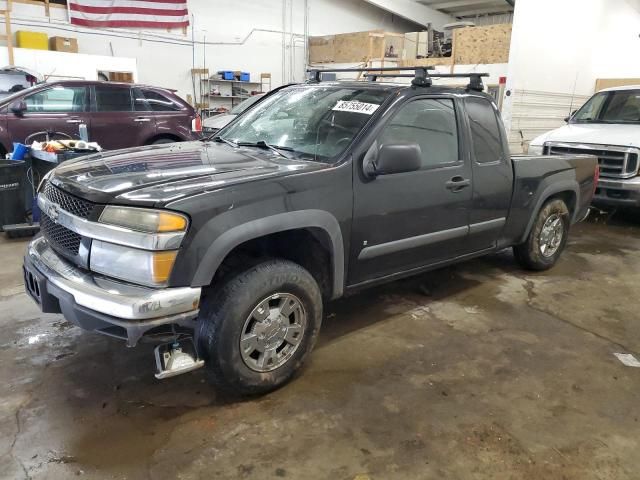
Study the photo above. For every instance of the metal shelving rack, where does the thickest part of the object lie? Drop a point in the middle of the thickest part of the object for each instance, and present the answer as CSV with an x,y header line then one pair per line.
x,y
227,98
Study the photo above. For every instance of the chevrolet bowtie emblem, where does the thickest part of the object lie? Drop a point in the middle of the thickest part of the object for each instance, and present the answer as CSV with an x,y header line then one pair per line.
x,y
53,212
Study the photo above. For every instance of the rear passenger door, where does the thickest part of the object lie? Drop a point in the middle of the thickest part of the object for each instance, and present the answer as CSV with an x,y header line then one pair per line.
x,y
172,119
120,119
408,220
492,173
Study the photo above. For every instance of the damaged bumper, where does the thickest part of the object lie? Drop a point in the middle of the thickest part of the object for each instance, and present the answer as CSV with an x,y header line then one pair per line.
x,y
103,305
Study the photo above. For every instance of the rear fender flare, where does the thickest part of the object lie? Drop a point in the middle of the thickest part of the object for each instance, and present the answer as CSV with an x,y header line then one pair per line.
x,y
547,193
225,243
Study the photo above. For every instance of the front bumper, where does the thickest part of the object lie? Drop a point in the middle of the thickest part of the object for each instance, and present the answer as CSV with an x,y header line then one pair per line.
x,y
111,307
618,193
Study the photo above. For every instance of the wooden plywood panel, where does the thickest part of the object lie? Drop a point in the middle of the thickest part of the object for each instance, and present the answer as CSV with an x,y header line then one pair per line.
x,y
602,83
490,44
321,49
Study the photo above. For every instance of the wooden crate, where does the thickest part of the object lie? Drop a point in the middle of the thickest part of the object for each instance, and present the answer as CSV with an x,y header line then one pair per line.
x,y
354,47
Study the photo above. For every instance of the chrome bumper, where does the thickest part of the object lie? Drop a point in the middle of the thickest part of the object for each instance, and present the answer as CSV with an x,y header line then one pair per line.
x,y
614,192
110,297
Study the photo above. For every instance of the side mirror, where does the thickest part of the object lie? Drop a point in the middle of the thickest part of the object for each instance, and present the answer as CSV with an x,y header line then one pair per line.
x,y
397,158
566,119
18,108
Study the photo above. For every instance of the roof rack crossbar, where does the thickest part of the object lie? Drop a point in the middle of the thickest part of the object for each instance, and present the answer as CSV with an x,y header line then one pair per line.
x,y
422,76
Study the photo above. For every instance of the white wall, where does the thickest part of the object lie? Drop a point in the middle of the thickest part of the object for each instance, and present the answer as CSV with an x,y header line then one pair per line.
x,y
558,50
240,35
61,65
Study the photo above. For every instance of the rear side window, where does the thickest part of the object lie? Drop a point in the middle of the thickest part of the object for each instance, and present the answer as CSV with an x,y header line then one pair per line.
x,y
113,99
429,122
485,131
160,103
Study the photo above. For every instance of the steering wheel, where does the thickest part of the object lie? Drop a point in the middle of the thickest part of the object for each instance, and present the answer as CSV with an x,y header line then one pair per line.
x,y
48,136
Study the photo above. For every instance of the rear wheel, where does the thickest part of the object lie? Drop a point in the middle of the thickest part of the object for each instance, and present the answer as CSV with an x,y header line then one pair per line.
x,y
547,239
257,329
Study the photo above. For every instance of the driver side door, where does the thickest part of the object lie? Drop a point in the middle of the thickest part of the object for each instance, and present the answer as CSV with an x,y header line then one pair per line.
x,y
60,108
405,221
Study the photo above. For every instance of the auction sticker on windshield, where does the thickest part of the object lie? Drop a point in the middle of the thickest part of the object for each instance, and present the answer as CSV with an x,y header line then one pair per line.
x,y
357,107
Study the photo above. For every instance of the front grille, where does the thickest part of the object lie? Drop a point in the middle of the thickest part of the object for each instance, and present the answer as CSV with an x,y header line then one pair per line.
x,y
74,205
60,238
613,163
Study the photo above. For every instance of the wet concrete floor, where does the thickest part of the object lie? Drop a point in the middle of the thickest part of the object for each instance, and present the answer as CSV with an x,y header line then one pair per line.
x,y
478,371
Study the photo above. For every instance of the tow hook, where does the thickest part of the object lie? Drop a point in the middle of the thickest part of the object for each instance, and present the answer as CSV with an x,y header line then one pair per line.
x,y
176,358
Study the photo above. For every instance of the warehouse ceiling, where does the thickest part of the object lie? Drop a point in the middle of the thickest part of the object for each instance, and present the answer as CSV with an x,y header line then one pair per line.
x,y
470,8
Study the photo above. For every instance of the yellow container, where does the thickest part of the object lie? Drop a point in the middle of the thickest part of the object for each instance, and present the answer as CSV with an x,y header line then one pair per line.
x,y
34,40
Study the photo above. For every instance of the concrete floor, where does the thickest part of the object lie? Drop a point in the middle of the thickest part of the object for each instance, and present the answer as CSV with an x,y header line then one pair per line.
x,y
480,371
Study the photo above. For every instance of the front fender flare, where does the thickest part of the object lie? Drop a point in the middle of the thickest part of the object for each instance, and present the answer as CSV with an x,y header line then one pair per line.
x,y
225,243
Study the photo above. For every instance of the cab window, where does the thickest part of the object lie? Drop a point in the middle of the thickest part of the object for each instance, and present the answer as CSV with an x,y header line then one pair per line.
x,y
429,122
485,131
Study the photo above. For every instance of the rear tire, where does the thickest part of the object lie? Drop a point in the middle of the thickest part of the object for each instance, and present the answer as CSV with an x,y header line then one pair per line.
x,y
258,327
547,239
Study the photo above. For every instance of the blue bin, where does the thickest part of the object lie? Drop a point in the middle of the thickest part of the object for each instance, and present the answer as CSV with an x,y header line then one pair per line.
x,y
245,77
19,151
226,74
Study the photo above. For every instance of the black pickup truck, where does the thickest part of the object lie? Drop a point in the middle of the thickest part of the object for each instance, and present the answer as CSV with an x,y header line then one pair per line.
x,y
223,250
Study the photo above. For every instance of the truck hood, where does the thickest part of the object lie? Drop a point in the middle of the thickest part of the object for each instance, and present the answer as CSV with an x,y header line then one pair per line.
x,y
598,133
159,174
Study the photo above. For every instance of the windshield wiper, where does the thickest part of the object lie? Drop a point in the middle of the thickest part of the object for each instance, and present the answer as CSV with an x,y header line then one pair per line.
x,y
224,140
262,144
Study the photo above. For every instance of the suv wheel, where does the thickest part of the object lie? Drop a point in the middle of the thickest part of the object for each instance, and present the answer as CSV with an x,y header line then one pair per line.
x,y
547,238
256,330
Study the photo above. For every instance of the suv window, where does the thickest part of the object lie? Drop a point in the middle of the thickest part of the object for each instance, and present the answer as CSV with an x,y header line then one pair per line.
x,y
485,131
57,99
160,103
113,99
429,122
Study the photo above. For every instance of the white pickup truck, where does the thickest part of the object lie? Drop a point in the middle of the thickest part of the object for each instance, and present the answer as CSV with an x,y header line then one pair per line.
x,y
608,126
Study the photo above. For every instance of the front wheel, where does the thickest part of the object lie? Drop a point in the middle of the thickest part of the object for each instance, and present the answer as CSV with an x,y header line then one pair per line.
x,y
257,329
547,238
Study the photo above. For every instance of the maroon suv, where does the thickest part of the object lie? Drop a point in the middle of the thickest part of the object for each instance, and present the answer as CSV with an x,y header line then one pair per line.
x,y
117,115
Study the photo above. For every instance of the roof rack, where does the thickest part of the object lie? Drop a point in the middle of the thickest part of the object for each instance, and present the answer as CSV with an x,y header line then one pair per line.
x,y
421,76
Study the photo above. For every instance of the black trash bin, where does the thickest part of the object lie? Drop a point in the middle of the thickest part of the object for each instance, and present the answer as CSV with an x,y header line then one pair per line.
x,y
12,192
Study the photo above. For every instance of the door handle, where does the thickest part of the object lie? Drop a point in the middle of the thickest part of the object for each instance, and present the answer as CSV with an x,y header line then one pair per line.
x,y
456,184
74,120
142,119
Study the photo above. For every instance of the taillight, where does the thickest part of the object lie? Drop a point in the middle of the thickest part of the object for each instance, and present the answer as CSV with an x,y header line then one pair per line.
x,y
596,178
196,124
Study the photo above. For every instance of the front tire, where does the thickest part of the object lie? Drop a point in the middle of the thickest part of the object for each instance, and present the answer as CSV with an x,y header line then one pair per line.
x,y
258,327
547,239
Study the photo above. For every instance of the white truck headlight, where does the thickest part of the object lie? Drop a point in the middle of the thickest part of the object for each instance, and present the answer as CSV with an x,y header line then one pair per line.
x,y
151,268
144,219
535,150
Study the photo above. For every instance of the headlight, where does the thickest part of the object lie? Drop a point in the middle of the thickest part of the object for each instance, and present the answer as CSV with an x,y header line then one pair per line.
x,y
535,150
144,219
151,268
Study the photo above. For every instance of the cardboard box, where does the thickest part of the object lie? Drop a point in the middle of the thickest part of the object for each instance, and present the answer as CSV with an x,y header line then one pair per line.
x,y
33,40
63,44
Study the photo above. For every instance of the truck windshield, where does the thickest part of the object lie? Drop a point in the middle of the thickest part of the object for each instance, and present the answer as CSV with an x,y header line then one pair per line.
x,y
618,106
308,122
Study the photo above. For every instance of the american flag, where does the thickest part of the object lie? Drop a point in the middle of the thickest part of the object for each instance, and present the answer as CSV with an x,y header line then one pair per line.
x,y
129,13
